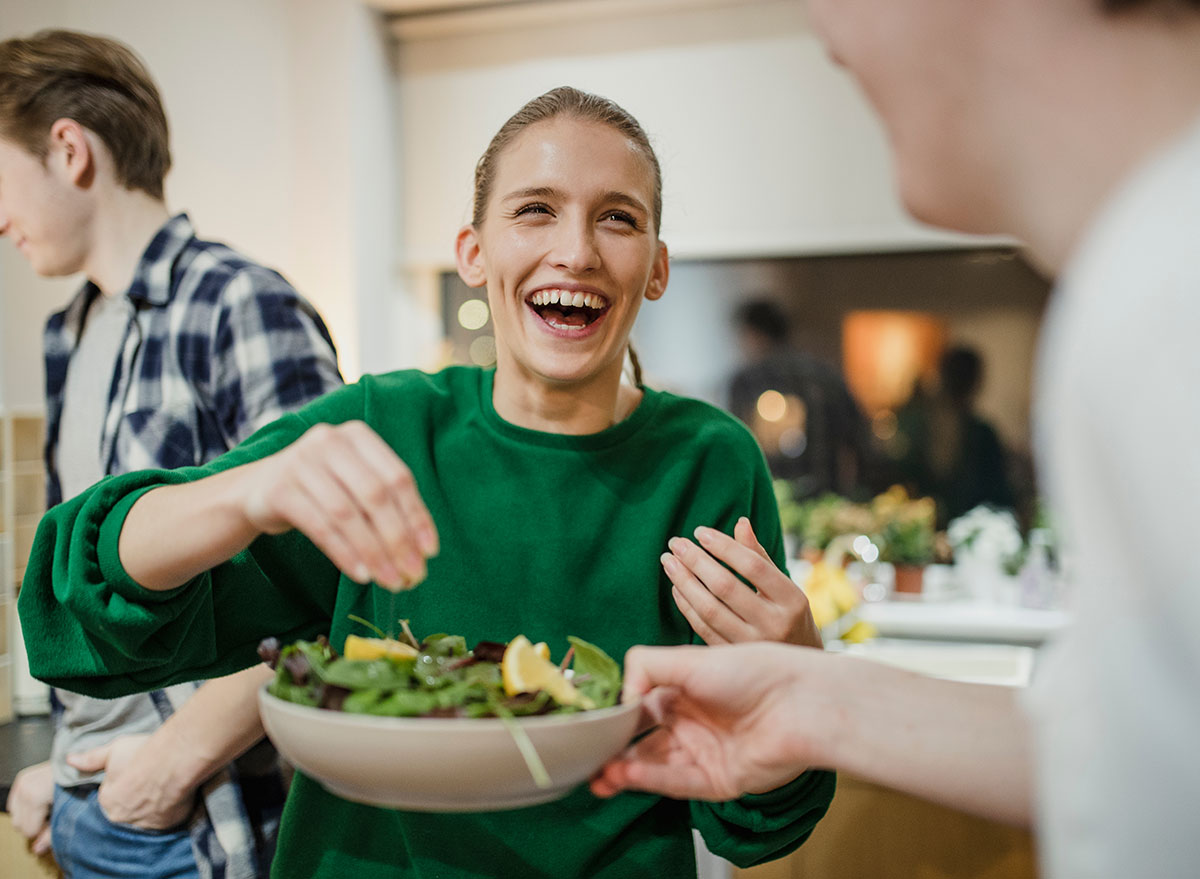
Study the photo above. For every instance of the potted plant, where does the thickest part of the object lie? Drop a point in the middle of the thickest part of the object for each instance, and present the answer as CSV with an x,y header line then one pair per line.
x,y
988,552
904,532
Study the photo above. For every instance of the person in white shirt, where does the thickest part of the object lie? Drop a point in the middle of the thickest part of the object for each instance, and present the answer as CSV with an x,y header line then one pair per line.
x,y
1075,125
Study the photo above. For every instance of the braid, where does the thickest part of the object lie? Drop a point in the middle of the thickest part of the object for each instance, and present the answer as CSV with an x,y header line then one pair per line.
x,y
637,368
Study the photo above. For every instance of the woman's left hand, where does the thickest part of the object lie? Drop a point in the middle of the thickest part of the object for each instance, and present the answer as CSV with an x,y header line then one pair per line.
x,y
720,607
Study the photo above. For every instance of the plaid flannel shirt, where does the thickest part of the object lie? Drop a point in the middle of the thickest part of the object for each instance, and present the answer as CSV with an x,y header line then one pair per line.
x,y
216,347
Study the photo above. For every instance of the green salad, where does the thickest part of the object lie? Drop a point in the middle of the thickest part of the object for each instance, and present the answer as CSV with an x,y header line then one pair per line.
x,y
440,677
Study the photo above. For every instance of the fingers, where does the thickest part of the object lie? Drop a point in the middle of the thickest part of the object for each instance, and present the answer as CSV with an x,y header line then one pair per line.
x,y
355,516
743,533
29,799
90,761
727,605
398,482
748,558
657,764
348,491
650,667
41,845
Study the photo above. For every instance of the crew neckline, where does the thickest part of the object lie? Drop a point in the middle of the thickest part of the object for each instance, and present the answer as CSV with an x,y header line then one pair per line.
x,y
610,436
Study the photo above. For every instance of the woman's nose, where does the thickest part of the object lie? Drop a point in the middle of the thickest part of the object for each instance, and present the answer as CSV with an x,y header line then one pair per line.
x,y
575,247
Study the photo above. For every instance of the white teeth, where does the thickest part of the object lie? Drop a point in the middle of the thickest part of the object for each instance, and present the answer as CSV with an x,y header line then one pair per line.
x,y
566,297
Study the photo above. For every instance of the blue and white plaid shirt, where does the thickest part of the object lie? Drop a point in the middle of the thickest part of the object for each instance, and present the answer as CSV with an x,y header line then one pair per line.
x,y
216,347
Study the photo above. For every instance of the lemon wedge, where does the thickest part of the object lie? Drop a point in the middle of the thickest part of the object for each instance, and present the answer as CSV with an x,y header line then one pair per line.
x,y
526,668
377,648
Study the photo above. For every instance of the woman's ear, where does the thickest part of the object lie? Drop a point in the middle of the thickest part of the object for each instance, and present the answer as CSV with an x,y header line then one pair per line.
x,y
469,257
72,152
659,273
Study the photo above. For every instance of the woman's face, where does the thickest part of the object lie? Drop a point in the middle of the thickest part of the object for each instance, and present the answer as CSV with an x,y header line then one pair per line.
x,y
568,250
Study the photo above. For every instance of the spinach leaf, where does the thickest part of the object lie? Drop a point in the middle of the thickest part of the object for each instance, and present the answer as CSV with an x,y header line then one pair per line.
x,y
353,674
597,674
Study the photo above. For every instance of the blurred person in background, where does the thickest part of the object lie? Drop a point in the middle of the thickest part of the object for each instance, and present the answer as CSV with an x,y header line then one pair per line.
x,y
1074,124
947,451
798,407
174,350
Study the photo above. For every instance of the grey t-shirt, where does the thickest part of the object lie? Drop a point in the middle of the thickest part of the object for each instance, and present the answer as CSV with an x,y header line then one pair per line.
x,y
88,722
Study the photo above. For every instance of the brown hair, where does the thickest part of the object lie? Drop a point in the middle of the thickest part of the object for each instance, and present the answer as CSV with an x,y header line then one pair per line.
x,y
97,82
563,101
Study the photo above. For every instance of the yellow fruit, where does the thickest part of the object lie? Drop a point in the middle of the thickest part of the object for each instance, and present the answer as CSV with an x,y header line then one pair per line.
x,y
526,668
376,648
859,632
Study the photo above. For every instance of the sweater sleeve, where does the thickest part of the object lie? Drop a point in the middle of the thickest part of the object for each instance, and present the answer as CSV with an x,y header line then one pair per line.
x,y
90,628
762,827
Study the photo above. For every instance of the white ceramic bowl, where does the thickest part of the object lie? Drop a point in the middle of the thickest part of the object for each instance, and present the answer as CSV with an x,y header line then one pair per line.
x,y
443,764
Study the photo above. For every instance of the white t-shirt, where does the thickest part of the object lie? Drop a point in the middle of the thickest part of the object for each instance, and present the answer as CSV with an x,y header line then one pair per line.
x,y
1116,701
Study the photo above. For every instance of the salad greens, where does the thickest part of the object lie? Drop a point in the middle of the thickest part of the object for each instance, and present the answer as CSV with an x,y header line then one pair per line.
x,y
443,679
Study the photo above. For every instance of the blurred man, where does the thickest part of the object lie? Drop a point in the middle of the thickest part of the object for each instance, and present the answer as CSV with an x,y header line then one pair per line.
x,y
818,438
948,451
1074,124
173,351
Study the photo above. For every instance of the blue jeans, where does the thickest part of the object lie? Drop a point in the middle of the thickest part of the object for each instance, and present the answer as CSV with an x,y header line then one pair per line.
x,y
89,846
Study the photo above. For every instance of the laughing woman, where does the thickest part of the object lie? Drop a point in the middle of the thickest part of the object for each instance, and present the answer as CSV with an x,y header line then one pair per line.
x,y
546,497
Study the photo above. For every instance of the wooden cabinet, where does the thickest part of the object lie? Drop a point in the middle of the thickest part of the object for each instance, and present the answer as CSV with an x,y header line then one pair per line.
x,y
22,501
876,833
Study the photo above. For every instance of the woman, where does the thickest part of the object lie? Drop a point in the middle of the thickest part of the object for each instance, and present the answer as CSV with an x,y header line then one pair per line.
x,y
549,486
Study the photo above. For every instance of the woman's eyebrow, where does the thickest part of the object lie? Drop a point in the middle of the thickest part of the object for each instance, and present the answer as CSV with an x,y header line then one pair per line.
x,y
532,192
624,198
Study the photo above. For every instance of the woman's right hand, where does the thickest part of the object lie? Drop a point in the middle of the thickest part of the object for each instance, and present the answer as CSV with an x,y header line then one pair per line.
x,y
346,490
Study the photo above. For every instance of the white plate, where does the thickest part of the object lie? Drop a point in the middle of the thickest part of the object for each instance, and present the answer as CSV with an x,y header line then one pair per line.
x,y
443,764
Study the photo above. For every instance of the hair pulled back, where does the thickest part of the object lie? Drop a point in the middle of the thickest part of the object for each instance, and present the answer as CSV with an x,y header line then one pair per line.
x,y
562,101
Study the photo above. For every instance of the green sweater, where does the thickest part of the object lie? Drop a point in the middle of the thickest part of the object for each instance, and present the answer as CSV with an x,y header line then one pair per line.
x,y
541,534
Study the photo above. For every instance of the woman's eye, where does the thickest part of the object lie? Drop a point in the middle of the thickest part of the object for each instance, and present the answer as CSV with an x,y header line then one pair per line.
x,y
531,209
621,217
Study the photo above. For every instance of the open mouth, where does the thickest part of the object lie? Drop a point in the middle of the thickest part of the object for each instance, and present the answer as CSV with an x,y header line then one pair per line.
x,y
567,309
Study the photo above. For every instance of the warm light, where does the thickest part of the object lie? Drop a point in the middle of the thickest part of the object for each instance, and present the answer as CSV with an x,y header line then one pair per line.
x,y
886,352
483,351
473,315
771,406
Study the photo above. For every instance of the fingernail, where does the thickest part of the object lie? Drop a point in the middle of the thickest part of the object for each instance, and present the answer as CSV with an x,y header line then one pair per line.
x,y
676,544
362,573
704,534
669,562
427,539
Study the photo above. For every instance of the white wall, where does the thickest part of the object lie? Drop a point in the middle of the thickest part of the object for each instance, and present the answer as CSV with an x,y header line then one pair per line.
x,y
280,114
766,147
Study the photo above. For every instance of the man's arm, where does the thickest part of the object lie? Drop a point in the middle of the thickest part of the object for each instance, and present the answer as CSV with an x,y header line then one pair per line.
x,y
746,718
151,780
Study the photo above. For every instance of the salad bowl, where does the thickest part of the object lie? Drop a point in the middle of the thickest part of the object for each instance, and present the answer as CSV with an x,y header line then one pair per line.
x,y
438,764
